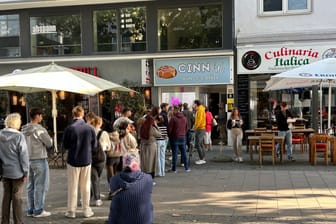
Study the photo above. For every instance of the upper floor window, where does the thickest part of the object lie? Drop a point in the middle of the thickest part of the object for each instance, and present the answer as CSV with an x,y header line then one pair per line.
x,y
123,29
283,7
55,35
190,27
10,36
105,30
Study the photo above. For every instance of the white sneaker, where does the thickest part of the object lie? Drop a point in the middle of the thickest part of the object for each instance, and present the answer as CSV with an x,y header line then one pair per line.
x,y
88,214
71,215
42,214
200,162
240,159
99,203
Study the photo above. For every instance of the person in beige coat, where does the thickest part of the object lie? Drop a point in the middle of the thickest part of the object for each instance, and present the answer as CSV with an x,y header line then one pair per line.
x,y
148,146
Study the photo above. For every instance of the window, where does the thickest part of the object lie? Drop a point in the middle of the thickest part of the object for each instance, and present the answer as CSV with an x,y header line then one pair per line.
x,y
105,28
55,35
190,28
123,29
133,29
283,7
9,36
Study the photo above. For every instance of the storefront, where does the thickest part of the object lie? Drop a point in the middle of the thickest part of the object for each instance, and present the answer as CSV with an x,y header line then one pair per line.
x,y
182,80
121,42
256,64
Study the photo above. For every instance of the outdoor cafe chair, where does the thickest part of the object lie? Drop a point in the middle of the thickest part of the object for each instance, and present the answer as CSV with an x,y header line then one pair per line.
x,y
319,143
299,139
259,131
266,147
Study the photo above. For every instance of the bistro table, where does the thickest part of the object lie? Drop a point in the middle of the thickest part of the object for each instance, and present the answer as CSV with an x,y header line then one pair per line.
x,y
254,141
305,131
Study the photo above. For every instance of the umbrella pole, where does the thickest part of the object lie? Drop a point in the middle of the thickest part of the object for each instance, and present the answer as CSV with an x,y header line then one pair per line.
x,y
321,120
329,105
54,115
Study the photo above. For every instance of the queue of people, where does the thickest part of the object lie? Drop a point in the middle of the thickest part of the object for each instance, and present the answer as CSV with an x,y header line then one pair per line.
x,y
133,154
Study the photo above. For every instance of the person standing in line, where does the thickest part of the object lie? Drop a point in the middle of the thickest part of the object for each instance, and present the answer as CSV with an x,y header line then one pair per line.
x,y
14,160
190,119
126,115
148,145
113,157
97,166
208,128
89,117
162,145
128,142
38,141
199,128
221,118
132,189
235,124
80,140
282,117
164,112
177,131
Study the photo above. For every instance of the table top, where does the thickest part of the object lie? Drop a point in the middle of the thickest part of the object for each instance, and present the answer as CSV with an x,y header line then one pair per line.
x,y
295,130
257,137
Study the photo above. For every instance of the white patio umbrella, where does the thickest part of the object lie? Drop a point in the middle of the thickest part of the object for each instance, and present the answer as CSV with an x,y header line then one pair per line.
x,y
322,73
54,78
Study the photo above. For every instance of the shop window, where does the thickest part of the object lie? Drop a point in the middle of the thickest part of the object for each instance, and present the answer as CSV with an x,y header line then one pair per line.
x,y
105,28
133,29
284,7
10,36
190,27
55,35
123,29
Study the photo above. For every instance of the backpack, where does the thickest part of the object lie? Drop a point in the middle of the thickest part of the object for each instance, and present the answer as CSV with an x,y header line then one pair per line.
x,y
98,156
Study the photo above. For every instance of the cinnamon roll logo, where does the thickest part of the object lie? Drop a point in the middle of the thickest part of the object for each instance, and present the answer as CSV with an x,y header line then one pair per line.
x,y
166,72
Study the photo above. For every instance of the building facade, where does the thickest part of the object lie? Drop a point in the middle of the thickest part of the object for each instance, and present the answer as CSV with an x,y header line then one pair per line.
x,y
177,50
275,36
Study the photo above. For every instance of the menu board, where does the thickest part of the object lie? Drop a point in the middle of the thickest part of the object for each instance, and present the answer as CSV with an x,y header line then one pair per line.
x,y
243,98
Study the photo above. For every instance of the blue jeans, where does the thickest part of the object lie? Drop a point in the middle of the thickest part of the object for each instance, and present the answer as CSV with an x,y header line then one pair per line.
x,y
37,186
179,143
288,142
162,145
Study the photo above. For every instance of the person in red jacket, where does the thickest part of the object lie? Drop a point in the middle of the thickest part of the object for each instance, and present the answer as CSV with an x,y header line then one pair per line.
x,y
177,130
208,128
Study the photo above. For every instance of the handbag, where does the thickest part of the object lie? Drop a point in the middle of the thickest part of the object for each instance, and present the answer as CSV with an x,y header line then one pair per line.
x,y
214,122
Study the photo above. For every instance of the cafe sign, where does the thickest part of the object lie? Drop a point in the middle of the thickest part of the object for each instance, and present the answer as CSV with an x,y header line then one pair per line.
x,y
266,59
193,71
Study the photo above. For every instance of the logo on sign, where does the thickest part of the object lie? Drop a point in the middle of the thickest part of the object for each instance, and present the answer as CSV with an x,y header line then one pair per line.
x,y
251,60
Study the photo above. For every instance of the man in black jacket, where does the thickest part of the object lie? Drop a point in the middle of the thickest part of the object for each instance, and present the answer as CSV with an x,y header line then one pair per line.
x,y
283,118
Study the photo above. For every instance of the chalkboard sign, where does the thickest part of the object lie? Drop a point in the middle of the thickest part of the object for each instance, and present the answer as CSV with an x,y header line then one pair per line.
x,y
243,98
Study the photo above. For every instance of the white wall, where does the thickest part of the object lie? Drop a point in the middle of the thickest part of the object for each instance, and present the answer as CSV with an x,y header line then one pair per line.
x,y
285,27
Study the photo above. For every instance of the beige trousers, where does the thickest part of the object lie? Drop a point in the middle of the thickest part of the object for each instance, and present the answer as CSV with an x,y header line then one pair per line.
x,y
81,176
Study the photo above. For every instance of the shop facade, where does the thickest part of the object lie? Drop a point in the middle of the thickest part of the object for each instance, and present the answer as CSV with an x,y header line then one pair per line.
x,y
124,41
256,64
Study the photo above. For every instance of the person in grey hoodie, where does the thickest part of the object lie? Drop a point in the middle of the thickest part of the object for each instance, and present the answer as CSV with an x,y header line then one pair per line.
x,y
15,164
38,141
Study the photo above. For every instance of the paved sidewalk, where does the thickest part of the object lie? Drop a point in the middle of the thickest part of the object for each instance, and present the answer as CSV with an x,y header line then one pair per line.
x,y
222,191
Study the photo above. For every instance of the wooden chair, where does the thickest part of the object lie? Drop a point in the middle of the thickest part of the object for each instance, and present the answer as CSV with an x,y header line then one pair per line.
x,y
319,143
266,147
299,139
259,131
